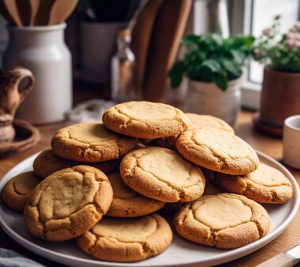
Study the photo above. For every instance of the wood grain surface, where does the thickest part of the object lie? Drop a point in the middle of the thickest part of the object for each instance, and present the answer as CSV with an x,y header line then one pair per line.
x,y
270,146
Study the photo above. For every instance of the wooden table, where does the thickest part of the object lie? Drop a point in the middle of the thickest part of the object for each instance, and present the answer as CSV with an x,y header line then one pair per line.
x,y
270,146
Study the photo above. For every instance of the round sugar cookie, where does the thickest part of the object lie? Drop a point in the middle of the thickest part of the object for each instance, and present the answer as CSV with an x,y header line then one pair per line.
x,y
18,190
90,142
264,185
217,150
68,203
144,119
127,239
128,203
47,163
199,121
162,174
222,221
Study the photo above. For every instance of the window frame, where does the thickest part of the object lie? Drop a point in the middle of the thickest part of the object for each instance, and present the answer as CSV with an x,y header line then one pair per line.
x,y
241,14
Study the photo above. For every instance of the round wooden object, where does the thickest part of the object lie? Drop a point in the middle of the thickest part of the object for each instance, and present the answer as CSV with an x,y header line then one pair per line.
x,y
266,128
26,136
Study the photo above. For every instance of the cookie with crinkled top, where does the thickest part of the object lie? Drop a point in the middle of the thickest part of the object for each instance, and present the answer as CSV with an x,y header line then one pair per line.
x,y
18,190
162,174
68,203
144,119
128,203
90,142
127,239
217,150
223,221
264,185
198,121
47,163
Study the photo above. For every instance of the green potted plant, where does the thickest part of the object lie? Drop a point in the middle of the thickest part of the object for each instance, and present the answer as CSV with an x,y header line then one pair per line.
x,y
213,66
280,96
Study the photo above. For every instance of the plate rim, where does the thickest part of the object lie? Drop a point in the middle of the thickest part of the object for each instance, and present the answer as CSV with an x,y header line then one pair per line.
x,y
231,255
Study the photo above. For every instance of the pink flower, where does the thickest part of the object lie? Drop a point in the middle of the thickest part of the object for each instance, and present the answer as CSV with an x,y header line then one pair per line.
x,y
268,32
297,44
290,43
297,26
291,36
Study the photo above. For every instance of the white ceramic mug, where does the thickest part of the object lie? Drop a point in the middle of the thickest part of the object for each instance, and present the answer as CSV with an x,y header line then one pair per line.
x,y
291,141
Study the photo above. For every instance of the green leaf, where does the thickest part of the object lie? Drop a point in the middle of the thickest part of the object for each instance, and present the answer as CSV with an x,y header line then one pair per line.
x,y
176,73
212,58
234,70
212,64
191,39
221,82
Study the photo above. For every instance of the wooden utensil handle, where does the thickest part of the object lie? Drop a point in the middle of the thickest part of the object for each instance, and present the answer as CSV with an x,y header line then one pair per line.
x,y
280,260
13,79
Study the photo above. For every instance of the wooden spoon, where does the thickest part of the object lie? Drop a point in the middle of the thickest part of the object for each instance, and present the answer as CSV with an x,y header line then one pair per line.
x,y
6,14
11,12
61,10
24,11
34,7
43,12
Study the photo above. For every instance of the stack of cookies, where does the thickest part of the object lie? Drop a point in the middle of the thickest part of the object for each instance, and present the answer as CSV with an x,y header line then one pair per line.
x,y
102,183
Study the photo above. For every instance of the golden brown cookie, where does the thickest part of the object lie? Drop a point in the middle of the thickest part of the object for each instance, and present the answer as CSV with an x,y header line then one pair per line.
x,y
199,121
128,203
222,221
47,163
90,142
162,174
68,203
18,190
195,122
217,150
144,119
127,240
264,185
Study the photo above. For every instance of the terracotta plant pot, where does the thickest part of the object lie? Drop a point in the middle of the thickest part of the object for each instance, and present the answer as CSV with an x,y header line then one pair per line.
x,y
280,98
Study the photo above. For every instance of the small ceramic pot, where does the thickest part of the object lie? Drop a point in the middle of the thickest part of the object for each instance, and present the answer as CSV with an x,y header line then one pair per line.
x,y
42,50
291,141
208,99
280,97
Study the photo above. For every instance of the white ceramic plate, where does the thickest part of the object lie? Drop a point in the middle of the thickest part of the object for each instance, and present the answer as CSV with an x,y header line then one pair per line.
x,y
180,253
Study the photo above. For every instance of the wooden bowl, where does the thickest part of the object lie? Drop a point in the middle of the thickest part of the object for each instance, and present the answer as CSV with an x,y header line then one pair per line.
x,y
26,136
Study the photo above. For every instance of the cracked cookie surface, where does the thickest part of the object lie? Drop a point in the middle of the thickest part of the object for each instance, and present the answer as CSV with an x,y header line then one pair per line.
x,y
18,190
264,185
199,121
127,240
90,142
47,163
128,203
68,203
144,119
223,221
162,174
217,150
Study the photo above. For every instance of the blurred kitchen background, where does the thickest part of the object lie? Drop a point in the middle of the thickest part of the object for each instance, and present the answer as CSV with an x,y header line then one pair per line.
x,y
103,34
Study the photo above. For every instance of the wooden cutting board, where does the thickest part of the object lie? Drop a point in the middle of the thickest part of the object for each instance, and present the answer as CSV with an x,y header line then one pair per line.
x,y
141,37
168,29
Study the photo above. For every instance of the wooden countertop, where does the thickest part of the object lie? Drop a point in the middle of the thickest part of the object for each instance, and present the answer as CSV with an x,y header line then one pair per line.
x,y
270,146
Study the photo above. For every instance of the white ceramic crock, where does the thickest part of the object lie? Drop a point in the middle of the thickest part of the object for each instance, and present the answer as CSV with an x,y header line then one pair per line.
x,y
42,50
208,99
291,141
